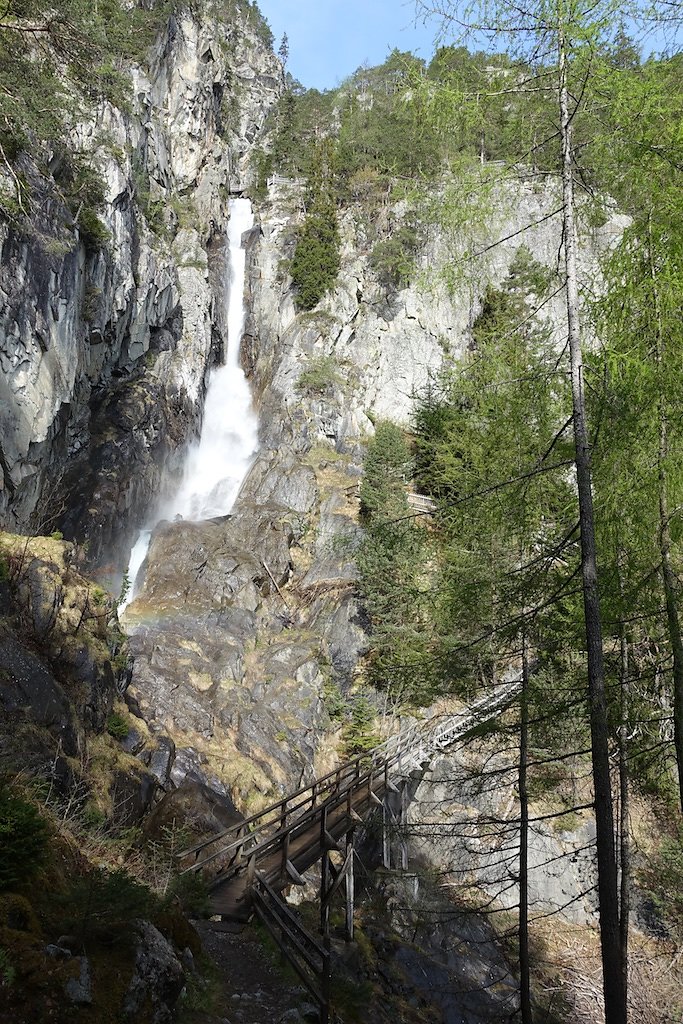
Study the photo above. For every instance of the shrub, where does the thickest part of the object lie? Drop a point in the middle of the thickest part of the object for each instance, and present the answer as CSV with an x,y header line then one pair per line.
x,y
118,726
386,466
393,259
192,893
7,971
23,838
316,260
320,375
93,232
101,905
358,734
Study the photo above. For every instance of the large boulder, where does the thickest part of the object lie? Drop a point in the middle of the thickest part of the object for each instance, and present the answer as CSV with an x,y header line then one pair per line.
x,y
195,806
158,978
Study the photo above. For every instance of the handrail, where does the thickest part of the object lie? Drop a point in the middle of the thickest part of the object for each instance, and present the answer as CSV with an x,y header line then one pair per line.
x,y
298,945
342,771
294,813
334,800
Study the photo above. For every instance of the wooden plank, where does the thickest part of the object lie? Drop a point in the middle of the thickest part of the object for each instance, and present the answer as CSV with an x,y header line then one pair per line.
x,y
300,970
285,912
339,877
293,874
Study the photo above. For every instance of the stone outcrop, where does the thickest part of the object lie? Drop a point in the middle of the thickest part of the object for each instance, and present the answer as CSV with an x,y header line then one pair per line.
x,y
243,624
105,345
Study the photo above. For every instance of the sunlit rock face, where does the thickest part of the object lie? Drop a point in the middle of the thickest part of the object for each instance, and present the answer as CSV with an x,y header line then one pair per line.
x,y
105,349
241,624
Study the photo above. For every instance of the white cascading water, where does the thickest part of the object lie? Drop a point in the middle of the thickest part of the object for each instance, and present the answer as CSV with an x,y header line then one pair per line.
x,y
218,462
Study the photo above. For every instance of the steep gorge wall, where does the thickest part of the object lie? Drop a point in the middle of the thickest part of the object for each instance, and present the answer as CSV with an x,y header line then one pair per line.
x,y
248,628
105,348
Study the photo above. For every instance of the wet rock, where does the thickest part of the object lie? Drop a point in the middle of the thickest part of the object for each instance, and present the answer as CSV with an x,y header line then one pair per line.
x,y
27,687
104,359
133,742
131,793
158,978
79,989
57,952
161,761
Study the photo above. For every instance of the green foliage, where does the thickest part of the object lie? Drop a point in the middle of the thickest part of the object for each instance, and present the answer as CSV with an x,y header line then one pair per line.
x,y
23,838
100,906
7,971
93,232
664,880
118,726
321,374
93,818
359,734
54,60
393,582
316,259
192,893
442,602
262,166
393,259
333,698
386,468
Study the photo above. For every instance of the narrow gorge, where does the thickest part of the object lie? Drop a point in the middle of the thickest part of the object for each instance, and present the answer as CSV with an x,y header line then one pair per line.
x,y
240,460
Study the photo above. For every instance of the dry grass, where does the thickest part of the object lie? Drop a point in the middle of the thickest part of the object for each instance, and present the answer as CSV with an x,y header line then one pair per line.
x,y
568,974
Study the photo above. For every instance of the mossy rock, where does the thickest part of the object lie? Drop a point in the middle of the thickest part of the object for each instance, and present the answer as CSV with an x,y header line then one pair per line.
x,y
17,914
178,930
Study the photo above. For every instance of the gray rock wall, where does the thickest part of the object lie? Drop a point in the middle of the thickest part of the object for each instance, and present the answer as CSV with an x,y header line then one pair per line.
x,y
244,623
105,351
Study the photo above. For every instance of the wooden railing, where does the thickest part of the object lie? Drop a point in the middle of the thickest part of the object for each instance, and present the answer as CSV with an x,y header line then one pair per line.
x,y
277,826
279,179
298,821
421,503
308,957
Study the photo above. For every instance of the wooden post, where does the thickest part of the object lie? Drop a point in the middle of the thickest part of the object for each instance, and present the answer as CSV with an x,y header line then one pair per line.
x,y
386,838
324,904
350,890
285,854
325,984
325,923
403,814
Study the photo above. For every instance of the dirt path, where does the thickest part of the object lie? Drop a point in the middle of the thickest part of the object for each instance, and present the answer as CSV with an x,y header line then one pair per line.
x,y
253,988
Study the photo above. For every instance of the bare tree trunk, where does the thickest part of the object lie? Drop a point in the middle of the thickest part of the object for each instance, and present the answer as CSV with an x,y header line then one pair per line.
x,y
613,977
524,966
668,575
625,836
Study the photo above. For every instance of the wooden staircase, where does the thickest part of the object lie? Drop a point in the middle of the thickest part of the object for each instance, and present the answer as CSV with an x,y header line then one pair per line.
x,y
289,836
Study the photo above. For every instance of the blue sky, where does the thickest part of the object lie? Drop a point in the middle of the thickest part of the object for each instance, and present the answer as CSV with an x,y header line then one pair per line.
x,y
328,39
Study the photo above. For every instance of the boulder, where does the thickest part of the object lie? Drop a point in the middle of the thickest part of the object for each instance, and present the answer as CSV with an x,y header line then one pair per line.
x,y
195,806
158,978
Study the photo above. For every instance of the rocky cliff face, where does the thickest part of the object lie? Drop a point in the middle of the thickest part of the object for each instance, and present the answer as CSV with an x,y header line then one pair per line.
x,y
105,345
247,632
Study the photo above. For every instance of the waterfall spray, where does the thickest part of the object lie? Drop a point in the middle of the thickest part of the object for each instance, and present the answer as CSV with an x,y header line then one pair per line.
x,y
219,460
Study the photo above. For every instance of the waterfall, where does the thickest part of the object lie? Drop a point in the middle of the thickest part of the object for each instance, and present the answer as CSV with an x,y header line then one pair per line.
x,y
219,460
